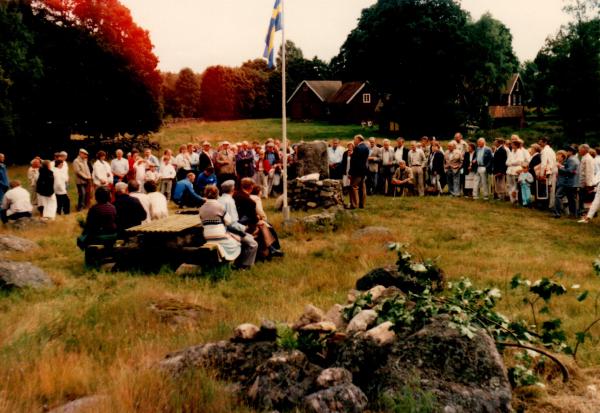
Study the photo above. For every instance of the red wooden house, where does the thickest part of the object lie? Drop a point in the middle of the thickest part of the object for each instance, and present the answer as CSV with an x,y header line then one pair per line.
x,y
507,108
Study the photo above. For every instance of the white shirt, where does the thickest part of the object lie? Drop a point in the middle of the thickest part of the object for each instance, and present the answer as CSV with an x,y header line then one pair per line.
x,y
140,172
145,201
194,159
387,156
515,161
335,155
32,176
102,172
167,171
399,153
158,206
548,161
183,161
119,166
151,176
16,200
60,180
597,168
227,201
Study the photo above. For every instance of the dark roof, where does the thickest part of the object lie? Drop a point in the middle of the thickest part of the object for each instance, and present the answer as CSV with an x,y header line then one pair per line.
x,y
510,84
324,89
506,112
347,92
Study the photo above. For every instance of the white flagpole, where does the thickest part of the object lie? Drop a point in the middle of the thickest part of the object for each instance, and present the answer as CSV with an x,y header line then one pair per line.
x,y
286,208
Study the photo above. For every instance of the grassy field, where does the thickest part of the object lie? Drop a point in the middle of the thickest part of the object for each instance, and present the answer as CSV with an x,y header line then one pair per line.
x,y
96,332
177,133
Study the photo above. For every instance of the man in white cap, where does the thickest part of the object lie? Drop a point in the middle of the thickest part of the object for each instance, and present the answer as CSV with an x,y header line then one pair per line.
x,y
225,163
83,179
249,244
206,157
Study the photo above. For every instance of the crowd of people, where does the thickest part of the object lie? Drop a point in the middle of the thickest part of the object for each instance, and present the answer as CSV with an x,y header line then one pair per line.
x,y
228,183
532,177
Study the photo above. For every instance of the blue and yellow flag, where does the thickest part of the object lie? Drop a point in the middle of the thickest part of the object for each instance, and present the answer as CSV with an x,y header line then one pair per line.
x,y
274,26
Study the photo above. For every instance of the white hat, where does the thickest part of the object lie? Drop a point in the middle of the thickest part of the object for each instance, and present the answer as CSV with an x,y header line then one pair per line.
x,y
83,151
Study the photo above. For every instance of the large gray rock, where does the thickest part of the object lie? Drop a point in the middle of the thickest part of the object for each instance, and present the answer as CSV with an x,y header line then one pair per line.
x,y
283,381
10,243
334,376
236,362
312,158
362,321
345,398
464,374
22,275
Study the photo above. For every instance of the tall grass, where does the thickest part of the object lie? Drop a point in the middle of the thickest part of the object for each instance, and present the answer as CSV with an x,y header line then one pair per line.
x,y
95,333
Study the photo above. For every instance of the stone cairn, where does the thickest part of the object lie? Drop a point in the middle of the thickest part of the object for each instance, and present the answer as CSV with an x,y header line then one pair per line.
x,y
348,360
312,194
314,189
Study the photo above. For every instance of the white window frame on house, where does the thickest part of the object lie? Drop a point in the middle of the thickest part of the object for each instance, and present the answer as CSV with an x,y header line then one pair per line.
x,y
366,98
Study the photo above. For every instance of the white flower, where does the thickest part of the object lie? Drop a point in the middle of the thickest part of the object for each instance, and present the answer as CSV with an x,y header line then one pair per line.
x,y
575,286
418,268
495,293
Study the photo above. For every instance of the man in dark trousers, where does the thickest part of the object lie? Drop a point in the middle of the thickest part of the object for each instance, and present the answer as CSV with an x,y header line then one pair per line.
x,y
130,211
358,172
499,169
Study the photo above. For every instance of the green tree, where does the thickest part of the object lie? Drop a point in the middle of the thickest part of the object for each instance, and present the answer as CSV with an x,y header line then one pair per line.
x,y
218,93
489,62
187,92
569,66
437,66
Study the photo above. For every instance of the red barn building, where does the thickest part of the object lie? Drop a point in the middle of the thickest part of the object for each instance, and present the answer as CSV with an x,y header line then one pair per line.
x,y
508,109
351,102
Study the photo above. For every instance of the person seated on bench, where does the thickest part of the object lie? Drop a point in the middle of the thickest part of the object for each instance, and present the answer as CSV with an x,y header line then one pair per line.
x,y
16,203
249,245
130,212
246,209
214,225
101,223
185,195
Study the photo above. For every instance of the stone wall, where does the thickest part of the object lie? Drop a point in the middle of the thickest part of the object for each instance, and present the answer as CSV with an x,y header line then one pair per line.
x,y
304,195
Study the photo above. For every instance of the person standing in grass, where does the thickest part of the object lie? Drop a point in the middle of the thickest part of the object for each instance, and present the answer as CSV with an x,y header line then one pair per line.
x,y
102,173
334,157
119,167
499,169
167,174
568,165
61,180
83,179
453,163
33,173
483,167
4,184
45,191
587,176
525,180
358,172
416,162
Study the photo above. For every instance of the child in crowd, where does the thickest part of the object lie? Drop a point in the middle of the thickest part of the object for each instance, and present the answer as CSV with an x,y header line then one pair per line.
x,y
525,180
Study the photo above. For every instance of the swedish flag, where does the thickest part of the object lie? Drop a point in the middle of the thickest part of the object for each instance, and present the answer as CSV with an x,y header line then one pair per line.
x,y
274,26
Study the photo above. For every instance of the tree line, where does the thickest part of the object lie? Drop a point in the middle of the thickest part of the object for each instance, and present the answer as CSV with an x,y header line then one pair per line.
x,y
85,67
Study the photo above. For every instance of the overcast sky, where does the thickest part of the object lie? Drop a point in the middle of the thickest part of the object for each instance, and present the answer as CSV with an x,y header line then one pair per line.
x,y
201,33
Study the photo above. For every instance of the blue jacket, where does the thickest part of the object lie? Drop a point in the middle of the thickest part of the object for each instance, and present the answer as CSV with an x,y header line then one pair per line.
x,y
203,180
488,158
181,187
567,173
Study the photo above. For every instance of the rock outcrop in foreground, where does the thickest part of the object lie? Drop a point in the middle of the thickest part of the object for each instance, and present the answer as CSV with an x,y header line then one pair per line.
x,y
348,359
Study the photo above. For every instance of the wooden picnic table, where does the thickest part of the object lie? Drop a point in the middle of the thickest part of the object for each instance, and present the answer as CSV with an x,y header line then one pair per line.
x,y
172,225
